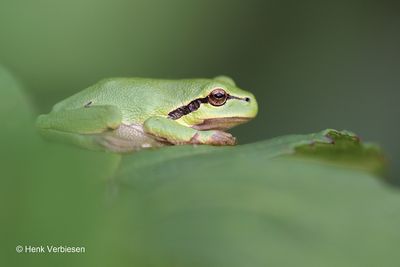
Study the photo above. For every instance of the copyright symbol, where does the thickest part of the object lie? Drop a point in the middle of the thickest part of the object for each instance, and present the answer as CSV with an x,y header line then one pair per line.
x,y
19,248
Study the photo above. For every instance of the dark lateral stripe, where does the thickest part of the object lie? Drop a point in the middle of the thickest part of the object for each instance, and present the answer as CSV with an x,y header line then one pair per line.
x,y
184,110
194,105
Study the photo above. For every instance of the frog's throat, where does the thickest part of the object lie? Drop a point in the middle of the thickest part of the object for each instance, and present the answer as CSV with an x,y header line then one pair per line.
x,y
220,123
194,105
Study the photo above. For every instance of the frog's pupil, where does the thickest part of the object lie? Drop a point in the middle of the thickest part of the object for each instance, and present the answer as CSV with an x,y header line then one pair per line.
x,y
219,95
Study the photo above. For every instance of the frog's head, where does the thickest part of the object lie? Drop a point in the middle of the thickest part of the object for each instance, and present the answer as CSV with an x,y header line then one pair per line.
x,y
219,104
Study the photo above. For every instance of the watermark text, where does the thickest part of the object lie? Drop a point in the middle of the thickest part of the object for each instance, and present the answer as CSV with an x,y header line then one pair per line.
x,y
50,249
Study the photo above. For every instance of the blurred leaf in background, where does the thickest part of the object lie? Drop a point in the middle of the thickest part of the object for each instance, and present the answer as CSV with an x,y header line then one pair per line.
x,y
50,194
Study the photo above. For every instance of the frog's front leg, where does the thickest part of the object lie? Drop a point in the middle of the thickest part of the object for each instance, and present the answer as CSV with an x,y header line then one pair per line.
x,y
167,130
82,126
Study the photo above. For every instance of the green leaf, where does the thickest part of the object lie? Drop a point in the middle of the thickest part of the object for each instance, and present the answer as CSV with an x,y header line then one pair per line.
x,y
340,147
50,194
251,205
16,116
16,111
345,148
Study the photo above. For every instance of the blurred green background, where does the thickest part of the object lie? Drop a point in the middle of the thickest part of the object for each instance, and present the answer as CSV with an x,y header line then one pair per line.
x,y
312,65
339,58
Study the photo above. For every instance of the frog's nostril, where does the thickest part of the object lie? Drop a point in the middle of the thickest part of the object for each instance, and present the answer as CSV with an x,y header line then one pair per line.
x,y
247,99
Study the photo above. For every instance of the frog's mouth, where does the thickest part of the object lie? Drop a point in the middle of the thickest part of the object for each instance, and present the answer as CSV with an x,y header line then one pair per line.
x,y
220,123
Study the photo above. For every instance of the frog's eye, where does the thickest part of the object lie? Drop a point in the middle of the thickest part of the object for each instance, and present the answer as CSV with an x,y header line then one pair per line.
x,y
217,97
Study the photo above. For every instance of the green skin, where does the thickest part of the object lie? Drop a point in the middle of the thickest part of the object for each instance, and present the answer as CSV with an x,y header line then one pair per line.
x,y
128,114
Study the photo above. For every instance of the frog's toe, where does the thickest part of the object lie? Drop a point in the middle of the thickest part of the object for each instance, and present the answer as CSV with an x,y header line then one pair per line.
x,y
220,138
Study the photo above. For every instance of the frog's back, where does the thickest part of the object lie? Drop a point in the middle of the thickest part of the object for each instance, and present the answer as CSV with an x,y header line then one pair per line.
x,y
137,98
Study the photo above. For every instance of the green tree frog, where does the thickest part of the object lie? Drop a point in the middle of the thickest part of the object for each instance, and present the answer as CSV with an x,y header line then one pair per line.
x,y
128,114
